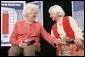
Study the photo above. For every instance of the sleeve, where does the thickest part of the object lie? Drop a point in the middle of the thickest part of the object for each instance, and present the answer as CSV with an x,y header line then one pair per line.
x,y
48,37
77,31
13,37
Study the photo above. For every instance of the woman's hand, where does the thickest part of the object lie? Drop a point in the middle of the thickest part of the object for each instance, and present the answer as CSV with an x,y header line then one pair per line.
x,y
78,41
22,45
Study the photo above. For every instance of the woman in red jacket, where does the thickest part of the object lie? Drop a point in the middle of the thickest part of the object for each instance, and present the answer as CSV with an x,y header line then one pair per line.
x,y
67,32
26,34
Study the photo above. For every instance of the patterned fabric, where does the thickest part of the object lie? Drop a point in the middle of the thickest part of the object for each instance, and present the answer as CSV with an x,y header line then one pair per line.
x,y
70,50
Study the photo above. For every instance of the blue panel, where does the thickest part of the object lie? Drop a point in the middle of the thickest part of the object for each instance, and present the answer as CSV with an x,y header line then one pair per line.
x,y
78,5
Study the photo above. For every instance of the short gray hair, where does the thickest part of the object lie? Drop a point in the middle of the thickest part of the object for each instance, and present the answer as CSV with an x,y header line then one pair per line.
x,y
56,9
29,7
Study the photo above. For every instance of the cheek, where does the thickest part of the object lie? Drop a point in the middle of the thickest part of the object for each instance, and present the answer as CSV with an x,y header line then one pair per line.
x,y
55,16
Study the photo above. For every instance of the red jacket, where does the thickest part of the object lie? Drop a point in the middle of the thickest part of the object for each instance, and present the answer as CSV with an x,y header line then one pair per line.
x,y
23,30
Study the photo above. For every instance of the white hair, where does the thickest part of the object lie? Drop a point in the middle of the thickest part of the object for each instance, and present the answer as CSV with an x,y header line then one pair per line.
x,y
57,9
29,7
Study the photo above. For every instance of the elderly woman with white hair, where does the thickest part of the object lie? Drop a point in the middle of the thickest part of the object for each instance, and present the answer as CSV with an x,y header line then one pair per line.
x,y
26,34
67,32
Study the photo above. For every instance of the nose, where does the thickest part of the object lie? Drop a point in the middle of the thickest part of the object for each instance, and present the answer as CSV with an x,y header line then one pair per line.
x,y
50,16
